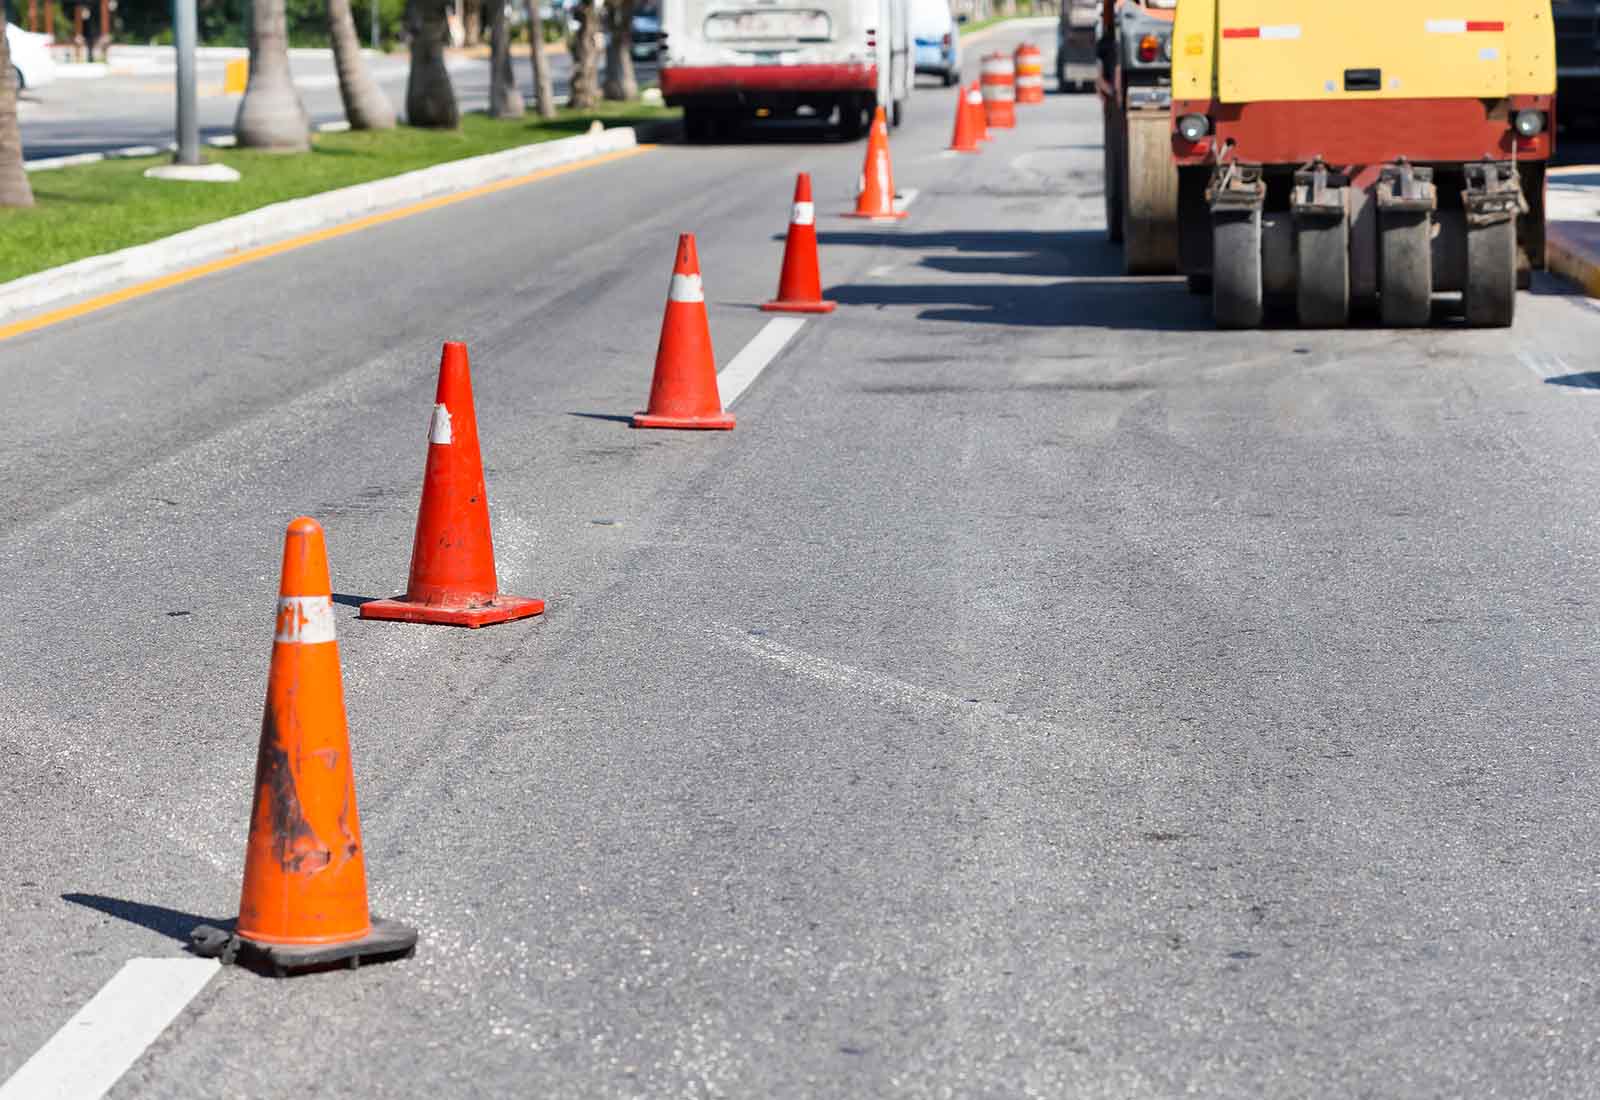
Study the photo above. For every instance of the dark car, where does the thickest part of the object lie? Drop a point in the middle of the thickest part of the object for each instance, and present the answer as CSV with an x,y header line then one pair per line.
x,y
646,34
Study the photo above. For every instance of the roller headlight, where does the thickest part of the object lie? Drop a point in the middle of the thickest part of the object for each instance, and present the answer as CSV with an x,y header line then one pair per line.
x,y
1530,123
1194,127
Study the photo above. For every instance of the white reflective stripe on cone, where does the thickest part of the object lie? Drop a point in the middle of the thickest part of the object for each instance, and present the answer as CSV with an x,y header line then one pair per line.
x,y
439,426
686,288
803,213
305,620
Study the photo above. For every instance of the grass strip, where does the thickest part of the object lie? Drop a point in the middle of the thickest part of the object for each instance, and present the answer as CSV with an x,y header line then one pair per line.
x,y
91,209
1024,11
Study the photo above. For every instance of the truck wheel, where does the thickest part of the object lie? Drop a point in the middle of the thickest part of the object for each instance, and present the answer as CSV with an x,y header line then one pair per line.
x,y
1113,172
1322,283
852,119
696,126
1405,270
1149,197
1490,295
1236,270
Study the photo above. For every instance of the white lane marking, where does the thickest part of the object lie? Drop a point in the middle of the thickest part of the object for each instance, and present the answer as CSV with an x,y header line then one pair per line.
x,y
888,690
905,198
753,358
107,1035
882,271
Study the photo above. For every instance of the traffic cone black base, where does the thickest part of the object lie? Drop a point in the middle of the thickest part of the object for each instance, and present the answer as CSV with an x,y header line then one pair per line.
x,y
387,941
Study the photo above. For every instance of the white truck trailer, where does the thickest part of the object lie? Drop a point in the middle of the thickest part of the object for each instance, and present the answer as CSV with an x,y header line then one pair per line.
x,y
723,61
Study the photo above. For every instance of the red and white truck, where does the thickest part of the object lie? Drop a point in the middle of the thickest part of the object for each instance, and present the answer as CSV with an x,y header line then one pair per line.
x,y
833,60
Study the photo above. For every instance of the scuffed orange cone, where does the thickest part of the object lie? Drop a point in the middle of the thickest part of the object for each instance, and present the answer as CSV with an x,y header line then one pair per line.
x,y
453,579
304,900
800,284
965,137
683,391
875,196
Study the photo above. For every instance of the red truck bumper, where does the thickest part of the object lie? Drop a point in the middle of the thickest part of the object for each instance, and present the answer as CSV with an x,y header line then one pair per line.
x,y
1370,131
723,80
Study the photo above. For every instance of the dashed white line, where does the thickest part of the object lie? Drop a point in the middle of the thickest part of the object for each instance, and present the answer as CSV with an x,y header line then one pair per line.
x,y
736,377
96,1047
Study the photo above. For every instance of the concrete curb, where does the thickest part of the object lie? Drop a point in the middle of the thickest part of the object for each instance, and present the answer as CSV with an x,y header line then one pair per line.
x,y
296,216
1572,249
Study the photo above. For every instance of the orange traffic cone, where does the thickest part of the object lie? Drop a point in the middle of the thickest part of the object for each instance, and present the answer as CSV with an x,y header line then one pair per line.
x,y
683,392
980,117
800,284
875,195
965,138
452,555
304,900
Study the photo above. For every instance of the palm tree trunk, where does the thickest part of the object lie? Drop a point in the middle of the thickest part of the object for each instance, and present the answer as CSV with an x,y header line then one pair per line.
x,y
365,105
430,97
544,96
472,22
620,81
586,49
271,115
14,187
504,99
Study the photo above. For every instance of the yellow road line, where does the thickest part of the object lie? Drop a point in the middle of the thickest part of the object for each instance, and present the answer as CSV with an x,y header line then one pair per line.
x,y
238,259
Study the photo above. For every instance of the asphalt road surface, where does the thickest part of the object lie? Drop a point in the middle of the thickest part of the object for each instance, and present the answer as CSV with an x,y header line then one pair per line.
x,y
95,116
1039,693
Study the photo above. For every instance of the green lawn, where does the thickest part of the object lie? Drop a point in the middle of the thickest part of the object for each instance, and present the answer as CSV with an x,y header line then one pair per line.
x,y
94,208
1023,11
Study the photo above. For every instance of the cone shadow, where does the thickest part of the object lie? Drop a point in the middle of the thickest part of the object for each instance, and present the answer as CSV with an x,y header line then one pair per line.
x,y
614,417
173,923
352,601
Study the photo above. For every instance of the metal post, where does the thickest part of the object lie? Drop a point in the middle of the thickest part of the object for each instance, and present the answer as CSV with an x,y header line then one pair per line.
x,y
184,32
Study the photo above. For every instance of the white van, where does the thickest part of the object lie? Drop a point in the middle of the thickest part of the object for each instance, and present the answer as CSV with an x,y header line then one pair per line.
x,y
938,40
723,60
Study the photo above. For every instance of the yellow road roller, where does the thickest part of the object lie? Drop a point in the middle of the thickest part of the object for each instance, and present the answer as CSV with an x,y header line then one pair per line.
x,y
1361,156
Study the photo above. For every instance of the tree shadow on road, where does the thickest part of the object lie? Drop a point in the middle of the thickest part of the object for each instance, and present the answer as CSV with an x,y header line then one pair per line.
x,y
1001,251
172,923
1087,303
